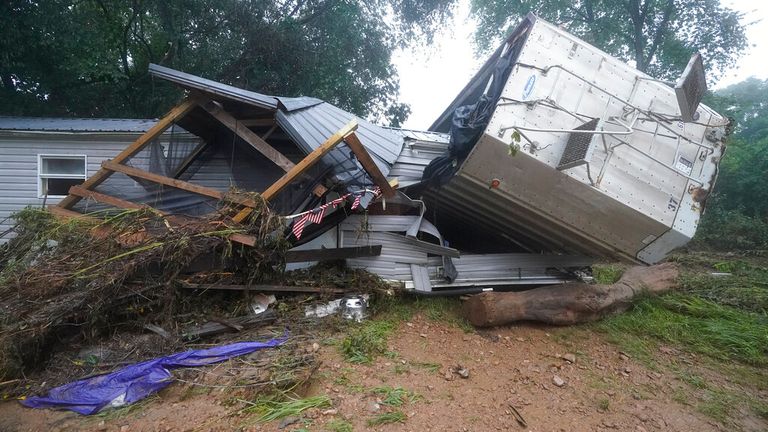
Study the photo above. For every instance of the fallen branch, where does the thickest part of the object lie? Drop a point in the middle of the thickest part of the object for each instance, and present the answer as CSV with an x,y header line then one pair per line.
x,y
572,303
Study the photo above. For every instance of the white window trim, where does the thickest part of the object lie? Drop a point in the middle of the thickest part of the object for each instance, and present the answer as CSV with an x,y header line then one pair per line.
x,y
41,176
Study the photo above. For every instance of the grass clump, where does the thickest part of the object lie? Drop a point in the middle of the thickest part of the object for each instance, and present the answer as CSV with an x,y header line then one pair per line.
x,y
366,341
721,332
339,425
395,396
607,273
387,418
275,407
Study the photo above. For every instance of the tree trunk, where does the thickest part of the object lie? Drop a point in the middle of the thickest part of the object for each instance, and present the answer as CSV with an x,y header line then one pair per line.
x,y
571,303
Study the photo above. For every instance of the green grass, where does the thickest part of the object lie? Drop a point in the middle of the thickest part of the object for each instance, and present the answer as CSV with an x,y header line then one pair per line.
x,y
395,396
387,418
278,406
699,325
339,425
429,367
366,341
607,273
604,404
718,405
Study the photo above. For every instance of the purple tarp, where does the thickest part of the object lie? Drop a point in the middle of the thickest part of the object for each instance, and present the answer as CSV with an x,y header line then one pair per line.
x,y
137,381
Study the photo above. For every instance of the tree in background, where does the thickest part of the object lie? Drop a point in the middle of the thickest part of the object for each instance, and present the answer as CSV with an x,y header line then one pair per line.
x,y
737,213
659,36
90,57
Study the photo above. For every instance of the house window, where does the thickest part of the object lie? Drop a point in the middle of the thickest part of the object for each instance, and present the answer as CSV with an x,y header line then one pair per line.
x,y
57,173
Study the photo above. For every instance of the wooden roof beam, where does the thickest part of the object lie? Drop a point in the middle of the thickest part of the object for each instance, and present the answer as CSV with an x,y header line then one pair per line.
x,y
155,131
369,165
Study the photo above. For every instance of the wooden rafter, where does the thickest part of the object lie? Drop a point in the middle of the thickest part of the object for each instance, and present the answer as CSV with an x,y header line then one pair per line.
x,y
309,160
179,184
369,165
104,198
155,131
247,135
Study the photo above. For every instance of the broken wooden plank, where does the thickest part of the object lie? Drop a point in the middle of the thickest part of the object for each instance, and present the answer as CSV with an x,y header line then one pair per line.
x,y
155,131
264,288
213,328
369,165
179,184
217,111
158,331
229,323
332,254
310,160
104,198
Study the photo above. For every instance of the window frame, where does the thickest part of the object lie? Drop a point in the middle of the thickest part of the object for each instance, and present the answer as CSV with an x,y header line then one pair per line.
x,y
41,176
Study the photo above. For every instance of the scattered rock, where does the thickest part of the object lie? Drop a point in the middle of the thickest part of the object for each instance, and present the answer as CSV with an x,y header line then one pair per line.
x,y
556,380
315,347
332,411
373,407
462,371
571,358
519,339
102,426
627,370
423,335
284,423
124,428
610,425
643,417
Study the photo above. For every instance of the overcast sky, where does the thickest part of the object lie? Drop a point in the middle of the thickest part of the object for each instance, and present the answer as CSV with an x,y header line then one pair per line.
x,y
431,77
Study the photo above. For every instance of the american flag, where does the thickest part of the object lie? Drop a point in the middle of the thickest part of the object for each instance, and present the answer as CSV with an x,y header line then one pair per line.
x,y
316,216
356,203
298,226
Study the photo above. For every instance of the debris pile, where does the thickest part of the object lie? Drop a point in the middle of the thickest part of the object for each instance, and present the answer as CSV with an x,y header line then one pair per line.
x,y
85,275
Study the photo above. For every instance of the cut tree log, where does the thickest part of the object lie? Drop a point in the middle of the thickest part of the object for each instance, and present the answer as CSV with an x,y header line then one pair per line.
x,y
572,303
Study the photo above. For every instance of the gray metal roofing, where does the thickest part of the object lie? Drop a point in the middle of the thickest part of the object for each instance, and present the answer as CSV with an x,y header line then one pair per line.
x,y
194,82
53,124
311,126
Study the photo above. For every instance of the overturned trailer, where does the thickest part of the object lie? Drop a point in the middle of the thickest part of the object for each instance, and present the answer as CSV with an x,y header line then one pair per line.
x,y
607,161
553,156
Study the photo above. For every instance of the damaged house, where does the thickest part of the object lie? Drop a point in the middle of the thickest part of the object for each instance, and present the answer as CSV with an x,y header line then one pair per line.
x,y
553,156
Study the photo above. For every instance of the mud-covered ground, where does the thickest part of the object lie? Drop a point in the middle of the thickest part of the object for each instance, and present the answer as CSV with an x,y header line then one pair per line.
x,y
556,379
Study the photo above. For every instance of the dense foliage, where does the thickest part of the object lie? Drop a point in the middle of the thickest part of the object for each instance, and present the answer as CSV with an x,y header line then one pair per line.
x,y
737,214
90,57
659,36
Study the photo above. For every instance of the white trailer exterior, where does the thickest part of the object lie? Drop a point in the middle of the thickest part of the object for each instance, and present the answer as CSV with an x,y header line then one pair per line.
x,y
633,188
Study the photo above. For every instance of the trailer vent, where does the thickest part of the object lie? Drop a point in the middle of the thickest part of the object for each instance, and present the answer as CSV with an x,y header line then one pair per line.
x,y
690,88
578,149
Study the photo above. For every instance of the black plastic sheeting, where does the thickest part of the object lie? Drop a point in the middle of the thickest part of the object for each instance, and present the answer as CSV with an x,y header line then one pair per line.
x,y
470,120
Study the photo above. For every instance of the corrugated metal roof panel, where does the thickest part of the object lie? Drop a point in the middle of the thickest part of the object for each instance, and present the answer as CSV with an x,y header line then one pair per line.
x,y
294,103
311,126
414,158
417,135
52,124
190,81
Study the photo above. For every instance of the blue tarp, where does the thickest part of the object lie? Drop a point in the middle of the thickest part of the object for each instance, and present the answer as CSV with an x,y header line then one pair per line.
x,y
137,381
